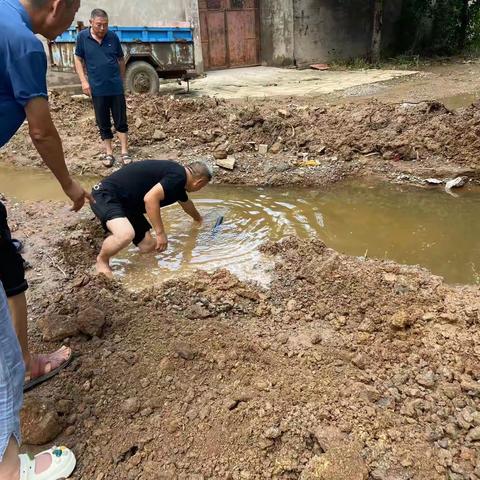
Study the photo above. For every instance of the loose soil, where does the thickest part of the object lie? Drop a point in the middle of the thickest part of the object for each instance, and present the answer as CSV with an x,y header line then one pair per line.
x,y
343,368
309,142
341,365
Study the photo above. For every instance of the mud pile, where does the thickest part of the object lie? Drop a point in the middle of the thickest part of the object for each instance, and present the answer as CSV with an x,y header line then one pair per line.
x,y
307,141
342,365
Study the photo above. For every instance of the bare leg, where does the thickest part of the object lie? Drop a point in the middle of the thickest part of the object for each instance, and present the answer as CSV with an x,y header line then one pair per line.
x,y
18,309
108,146
36,365
10,466
124,142
147,245
122,234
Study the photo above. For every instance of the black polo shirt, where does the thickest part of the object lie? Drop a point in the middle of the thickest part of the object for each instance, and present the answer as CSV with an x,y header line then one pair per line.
x,y
101,60
131,183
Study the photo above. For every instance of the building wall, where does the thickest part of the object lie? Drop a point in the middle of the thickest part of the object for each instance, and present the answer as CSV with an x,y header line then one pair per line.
x,y
276,32
149,13
302,32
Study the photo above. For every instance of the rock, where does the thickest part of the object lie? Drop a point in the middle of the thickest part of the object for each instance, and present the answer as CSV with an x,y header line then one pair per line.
x,y
339,463
220,154
138,122
433,181
159,136
183,351
474,434
57,327
456,183
273,433
470,386
284,113
359,361
400,320
90,321
131,406
329,437
263,149
291,305
277,147
426,379
228,163
40,421
81,98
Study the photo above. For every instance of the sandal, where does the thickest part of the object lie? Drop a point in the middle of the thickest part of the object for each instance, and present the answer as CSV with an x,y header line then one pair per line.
x,y
108,161
126,159
39,374
63,464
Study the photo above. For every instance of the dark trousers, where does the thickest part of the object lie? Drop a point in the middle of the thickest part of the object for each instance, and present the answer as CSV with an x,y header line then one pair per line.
x,y
114,105
12,273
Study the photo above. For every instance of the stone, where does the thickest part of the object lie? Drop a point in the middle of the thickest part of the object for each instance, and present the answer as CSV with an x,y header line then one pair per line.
x,y
329,437
90,321
277,147
456,183
56,327
220,154
284,113
228,163
338,463
131,406
433,181
159,136
273,433
474,434
470,386
81,98
183,351
400,320
263,149
426,379
40,421
138,122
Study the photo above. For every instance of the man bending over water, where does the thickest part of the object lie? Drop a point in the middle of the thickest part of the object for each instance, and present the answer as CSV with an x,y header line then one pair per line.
x,y
122,199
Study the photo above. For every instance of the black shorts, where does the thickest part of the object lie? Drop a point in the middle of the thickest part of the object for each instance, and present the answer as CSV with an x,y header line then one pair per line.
x,y
106,107
107,207
12,272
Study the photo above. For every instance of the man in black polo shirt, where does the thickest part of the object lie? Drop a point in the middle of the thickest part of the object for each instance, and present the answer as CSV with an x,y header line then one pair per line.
x,y
99,51
122,199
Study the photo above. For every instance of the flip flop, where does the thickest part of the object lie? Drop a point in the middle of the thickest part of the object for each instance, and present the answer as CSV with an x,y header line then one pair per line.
x,y
126,159
108,161
35,382
63,464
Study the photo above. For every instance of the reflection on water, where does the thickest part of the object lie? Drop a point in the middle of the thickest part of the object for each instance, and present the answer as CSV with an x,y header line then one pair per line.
x,y
408,225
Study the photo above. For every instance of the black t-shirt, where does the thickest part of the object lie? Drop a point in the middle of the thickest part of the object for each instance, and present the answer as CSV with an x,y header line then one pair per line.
x,y
132,182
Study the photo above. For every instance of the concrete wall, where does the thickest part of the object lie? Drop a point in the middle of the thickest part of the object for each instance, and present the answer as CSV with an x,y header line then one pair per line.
x,y
328,29
149,13
303,32
276,32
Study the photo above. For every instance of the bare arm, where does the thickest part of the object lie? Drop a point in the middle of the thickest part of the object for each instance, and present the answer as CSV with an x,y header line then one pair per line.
x,y
190,209
45,137
123,67
79,67
152,206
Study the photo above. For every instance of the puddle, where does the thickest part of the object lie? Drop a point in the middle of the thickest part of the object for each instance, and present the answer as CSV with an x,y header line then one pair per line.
x,y
408,225
455,102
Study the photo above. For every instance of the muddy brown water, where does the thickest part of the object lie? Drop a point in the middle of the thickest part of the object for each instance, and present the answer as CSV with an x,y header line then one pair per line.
x,y
405,224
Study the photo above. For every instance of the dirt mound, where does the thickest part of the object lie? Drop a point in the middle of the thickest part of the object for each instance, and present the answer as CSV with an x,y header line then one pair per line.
x,y
307,142
342,365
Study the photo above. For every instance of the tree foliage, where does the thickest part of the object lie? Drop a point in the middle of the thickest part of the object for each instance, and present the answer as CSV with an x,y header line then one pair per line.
x,y
438,27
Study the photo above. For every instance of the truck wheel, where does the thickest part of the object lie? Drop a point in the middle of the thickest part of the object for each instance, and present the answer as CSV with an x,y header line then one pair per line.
x,y
141,77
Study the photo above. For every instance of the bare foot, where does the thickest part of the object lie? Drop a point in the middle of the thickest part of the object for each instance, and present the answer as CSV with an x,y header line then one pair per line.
x,y
103,268
42,364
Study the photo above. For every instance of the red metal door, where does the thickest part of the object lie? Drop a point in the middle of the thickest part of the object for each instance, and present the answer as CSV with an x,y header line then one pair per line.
x,y
229,30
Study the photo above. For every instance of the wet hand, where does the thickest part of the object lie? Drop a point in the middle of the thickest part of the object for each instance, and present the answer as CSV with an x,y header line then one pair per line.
x,y
162,242
77,195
